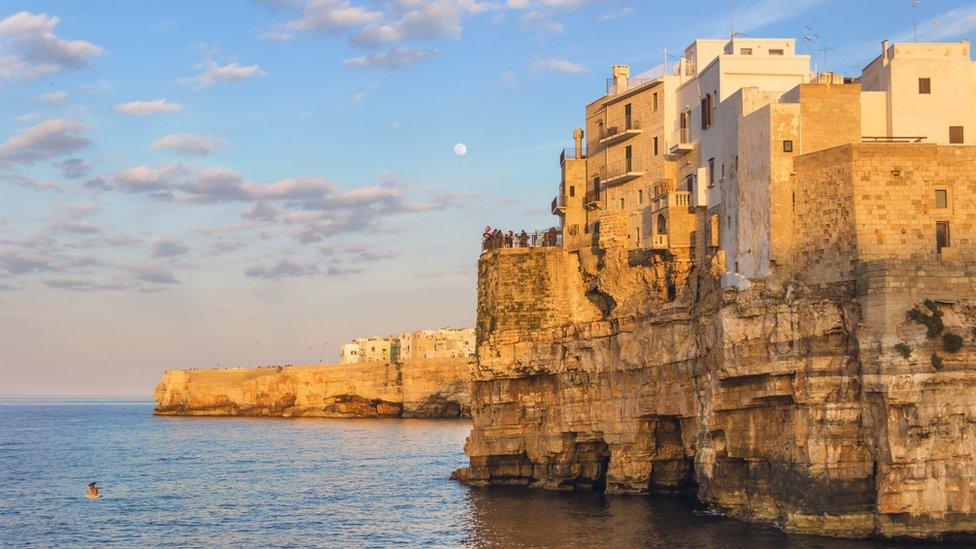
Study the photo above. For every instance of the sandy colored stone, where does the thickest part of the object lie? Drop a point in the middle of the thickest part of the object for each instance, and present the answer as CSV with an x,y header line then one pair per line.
x,y
434,388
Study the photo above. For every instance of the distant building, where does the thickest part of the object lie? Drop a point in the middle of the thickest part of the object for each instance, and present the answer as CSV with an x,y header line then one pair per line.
x,y
420,344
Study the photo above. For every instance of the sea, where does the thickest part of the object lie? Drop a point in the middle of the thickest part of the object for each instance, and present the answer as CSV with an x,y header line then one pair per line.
x,y
248,482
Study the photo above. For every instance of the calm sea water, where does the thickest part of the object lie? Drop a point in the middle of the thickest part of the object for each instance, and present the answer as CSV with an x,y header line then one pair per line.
x,y
301,482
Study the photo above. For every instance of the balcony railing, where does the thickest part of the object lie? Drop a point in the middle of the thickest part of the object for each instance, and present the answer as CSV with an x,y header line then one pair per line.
x,y
620,128
892,139
621,170
498,239
650,75
681,140
660,242
558,204
592,199
570,152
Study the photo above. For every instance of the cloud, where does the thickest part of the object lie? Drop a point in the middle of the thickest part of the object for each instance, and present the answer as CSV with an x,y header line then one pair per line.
x,y
190,144
32,49
55,98
556,64
73,168
29,182
46,140
287,268
261,210
153,274
212,72
166,246
17,262
79,285
329,16
148,108
426,19
156,182
392,59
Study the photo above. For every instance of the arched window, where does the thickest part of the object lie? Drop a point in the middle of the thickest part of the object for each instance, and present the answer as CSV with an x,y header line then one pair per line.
x,y
662,224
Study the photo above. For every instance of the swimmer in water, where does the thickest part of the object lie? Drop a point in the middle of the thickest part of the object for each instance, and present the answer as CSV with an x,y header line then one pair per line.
x,y
92,491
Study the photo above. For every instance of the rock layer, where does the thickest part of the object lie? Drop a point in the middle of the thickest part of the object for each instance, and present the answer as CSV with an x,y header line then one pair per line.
x,y
436,388
824,410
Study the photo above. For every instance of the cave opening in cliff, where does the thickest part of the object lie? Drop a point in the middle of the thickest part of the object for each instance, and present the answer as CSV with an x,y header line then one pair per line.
x,y
600,484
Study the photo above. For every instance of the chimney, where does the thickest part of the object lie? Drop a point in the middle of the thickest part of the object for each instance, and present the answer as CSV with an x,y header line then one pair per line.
x,y
884,52
621,75
578,136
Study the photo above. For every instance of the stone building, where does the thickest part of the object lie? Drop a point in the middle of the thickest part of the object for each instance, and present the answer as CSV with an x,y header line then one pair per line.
x,y
417,345
795,341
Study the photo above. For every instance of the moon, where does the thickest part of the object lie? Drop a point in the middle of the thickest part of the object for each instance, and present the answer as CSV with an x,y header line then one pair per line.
x,y
460,149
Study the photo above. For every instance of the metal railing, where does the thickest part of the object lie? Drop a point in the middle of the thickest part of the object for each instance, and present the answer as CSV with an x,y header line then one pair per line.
x,y
592,198
558,202
650,75
619,125
620,168
536,239
681,135
570,152
892,139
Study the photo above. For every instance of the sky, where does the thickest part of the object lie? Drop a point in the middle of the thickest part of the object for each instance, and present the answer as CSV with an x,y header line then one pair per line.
x,y
191,184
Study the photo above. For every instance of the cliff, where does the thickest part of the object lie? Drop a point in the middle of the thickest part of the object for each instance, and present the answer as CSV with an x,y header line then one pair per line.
x,y
436,388
844,409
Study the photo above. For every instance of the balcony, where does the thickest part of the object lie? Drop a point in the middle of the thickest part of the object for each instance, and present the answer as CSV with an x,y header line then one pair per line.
x,y
558,205
681,141
621,171
592,200
659,242
672,199
570,153
620,129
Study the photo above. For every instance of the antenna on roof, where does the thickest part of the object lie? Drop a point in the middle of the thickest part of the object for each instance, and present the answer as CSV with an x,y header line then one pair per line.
x,y
809,38
823,57
915,4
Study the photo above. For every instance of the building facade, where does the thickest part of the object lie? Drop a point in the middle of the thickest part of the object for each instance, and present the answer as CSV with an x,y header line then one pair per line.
x,y
420,344
700,156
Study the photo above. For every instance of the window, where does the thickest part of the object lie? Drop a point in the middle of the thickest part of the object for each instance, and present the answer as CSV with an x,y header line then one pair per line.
x,y
655,146
941,198
711,172
746,51
955,134
690,183
572,191
662,224
706,111
640,196
621,203
941,235
787,145
628,158
775,52
722,172
924,85
654,101
627,116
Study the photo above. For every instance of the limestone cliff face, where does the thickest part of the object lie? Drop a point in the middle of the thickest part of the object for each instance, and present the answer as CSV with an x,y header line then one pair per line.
x,y
436,388
824,410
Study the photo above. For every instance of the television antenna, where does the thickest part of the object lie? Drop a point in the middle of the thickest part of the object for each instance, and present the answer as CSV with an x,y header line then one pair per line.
x,y
915,4
823,57
809,38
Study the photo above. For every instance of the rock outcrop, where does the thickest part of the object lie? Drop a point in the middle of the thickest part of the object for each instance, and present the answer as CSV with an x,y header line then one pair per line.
x,y
434,388
824,409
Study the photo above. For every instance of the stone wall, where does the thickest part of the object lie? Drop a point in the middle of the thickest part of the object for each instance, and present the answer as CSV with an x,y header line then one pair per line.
x,y
871,201
431,388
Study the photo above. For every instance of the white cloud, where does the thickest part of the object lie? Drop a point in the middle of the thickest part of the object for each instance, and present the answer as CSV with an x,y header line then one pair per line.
x,y
29,182
31,49
560,65
73,168
325,16
166,246
392,59
189,144
148,108
55,98
46,140
212,72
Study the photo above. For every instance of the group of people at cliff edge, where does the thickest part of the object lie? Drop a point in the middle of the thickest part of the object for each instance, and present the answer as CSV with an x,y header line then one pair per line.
x,y
493,239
